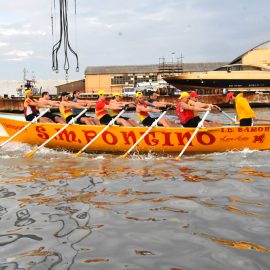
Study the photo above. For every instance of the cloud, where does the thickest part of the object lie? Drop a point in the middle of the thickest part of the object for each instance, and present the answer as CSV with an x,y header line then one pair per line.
x,y
3,44
17,55
24,30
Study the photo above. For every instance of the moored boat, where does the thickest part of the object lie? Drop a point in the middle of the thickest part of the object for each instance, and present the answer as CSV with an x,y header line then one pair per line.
x,y
249,71
121,139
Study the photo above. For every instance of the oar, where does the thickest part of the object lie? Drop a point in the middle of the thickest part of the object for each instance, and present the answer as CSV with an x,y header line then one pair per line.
x,y
262,119
106,127
72,121
228,116
193,135
25,127
147,131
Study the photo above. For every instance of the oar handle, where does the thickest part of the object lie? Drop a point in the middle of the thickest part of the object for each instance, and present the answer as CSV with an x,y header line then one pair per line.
x,y
141,138
24,128
193,135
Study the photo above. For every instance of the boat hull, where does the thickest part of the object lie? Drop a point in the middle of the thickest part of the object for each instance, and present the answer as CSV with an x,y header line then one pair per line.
x,y
247,80
230,84
120,139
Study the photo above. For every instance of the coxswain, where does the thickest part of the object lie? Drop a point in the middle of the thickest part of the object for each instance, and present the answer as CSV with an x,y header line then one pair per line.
x,y
245,115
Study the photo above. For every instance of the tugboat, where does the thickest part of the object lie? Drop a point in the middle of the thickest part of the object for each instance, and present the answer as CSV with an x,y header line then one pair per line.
x,y
28,84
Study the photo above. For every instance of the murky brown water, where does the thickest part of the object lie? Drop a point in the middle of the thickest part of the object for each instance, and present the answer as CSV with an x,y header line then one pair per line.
x,y
144,212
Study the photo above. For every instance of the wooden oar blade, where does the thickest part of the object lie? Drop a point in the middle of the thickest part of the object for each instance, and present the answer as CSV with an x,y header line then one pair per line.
x,y
76,154
30,154
123,156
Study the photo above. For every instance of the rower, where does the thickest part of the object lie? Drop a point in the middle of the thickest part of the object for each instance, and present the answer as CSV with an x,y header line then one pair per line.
x,y
159,105
76,98
102,107
66,106
116,100
30,110
194,101
185,112
143,112
54,118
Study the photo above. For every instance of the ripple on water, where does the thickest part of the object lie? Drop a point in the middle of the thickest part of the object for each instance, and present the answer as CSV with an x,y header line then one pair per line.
x,y
143,212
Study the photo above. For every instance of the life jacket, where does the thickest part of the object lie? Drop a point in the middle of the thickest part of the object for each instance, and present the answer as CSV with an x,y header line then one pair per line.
x,y
184,115
27,108
100,110
65,112
142,115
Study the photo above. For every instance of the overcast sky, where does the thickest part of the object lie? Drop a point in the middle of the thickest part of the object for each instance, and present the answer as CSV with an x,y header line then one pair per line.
x,y
127,32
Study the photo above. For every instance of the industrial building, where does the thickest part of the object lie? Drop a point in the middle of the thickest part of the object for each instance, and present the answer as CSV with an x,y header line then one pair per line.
x,y
115,78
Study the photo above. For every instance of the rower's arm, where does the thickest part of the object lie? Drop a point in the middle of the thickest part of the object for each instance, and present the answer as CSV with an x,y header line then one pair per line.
x,y
147,109
113,107
194,108
72,104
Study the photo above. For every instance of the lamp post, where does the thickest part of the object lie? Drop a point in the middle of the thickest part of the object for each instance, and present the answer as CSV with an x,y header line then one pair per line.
x,y
173,53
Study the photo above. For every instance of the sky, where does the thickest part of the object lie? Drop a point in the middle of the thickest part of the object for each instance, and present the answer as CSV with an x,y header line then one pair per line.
x,y
126,32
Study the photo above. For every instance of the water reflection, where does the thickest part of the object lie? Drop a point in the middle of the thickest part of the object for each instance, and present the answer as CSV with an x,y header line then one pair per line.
x,y
6,239
107,213
234,244
23,218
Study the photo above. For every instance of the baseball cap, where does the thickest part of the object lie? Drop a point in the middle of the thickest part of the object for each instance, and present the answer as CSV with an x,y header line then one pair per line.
x,y
26,92
229,96
138,94
65,94
117,94
101,92
184,95
193,94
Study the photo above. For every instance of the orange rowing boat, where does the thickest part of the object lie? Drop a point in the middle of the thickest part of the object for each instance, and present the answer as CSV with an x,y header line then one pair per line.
x,y
120,139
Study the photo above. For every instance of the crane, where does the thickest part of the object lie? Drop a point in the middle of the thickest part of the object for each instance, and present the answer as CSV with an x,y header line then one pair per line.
x,y
64,36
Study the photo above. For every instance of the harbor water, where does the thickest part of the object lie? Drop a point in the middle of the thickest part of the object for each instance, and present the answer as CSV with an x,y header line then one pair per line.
x,y
147,211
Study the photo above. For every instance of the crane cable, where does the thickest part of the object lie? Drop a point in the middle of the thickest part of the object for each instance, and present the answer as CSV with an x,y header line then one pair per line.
x,y
64,38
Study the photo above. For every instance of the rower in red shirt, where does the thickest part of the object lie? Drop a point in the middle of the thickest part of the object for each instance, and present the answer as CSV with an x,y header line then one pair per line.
x,y
101,110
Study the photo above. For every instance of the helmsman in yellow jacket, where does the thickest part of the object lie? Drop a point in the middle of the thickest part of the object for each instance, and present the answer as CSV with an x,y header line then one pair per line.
x,y
245,114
